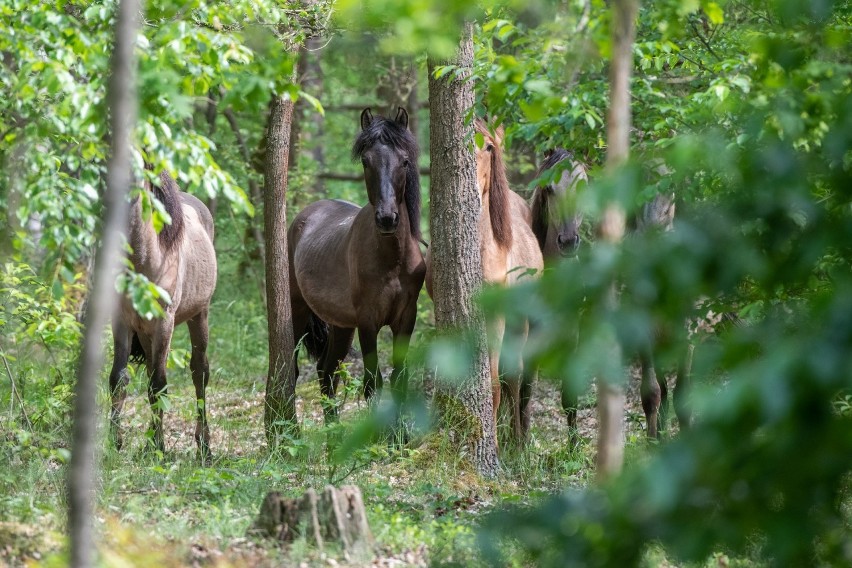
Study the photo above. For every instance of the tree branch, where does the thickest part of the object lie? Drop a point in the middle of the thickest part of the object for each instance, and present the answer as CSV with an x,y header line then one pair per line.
x,y
703,40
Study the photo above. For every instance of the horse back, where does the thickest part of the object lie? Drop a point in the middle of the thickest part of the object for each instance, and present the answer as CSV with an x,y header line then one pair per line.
x,y
200,209
197,263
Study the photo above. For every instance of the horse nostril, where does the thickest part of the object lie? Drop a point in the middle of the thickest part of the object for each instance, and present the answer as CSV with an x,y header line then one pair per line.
x,y
387,222
566,241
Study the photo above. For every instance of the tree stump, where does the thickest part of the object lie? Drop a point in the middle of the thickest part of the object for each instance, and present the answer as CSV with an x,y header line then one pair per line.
x,y
335,516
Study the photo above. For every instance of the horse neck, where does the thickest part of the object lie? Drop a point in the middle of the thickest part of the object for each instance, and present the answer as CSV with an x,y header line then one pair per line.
x,y
398,245
142,239
495,258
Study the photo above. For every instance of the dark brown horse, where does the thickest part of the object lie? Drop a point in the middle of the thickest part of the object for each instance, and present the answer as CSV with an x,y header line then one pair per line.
x,y
556,225
180,260
361,267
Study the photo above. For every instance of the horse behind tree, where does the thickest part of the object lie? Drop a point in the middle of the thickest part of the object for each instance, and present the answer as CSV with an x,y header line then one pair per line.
x,y
556,222
181,260
509,250
361,268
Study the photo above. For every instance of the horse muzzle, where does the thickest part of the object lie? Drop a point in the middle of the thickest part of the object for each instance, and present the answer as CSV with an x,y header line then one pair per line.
x,y
568,244
387,223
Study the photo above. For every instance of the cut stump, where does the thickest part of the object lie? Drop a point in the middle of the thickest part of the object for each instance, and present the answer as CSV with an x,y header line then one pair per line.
x,y
337,515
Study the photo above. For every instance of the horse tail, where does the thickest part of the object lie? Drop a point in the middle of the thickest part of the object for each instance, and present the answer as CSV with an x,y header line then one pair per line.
x,y
137,354
316,338
168,193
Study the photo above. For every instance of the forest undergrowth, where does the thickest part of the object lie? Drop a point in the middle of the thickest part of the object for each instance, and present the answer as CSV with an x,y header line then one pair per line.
x,y
423,500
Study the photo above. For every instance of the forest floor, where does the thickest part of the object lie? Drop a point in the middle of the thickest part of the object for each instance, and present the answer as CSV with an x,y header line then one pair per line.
x,y
423,501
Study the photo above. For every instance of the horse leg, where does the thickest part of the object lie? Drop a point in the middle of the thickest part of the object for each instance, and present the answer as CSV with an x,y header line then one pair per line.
x,y
401,340
494,362
118,377
372,376
199,336
157,356
523,393
528,374
663,413
339,341
650,391
684,371
300,315
570,403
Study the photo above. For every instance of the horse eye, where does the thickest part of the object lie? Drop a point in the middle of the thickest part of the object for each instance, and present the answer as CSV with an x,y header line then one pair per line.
x,y
406,163
364,161
489,148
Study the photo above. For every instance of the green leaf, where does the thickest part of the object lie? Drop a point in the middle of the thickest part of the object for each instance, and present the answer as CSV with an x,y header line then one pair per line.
x,y
479,139
715,13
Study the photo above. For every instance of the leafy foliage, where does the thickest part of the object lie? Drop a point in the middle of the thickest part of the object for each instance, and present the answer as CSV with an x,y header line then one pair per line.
x,y
765,230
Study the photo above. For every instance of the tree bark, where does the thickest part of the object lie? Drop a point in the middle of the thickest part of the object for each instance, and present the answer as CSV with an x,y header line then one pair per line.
x,y
254,233
280,409
122,105
309,74
610,388
456,262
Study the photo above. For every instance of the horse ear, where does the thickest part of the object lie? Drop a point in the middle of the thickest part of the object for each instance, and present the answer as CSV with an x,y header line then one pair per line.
x,y
402,117
366,118
498,135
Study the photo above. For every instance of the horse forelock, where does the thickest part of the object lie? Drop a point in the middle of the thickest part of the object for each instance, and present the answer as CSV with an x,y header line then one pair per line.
x,y
394,135
387,132
168,194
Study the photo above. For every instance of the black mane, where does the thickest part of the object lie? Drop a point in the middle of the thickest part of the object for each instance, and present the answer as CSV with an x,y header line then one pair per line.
x,y
556,156
391,133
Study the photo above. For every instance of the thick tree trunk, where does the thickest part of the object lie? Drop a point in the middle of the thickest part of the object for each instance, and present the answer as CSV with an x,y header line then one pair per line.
x,y
456,262
122,106
610,389
280,411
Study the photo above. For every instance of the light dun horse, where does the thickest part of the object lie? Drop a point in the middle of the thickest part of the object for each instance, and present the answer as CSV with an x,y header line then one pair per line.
x,y
557,229
508,248
182,261
361,267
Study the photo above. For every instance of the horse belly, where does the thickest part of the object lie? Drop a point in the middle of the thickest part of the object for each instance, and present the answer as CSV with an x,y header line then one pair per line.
x,y
320,262
198,278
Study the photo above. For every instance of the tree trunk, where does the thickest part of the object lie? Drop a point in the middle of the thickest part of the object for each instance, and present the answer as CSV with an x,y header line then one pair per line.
x,y
122,106
254,234
456,262
309,74
610,388
280,411
335,516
